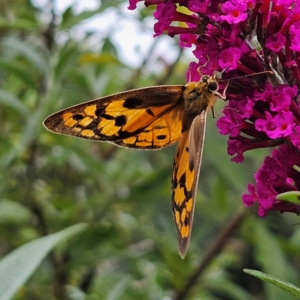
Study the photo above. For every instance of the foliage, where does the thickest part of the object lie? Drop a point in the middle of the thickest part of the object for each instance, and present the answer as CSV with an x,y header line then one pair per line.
x,y
291,288
50,182
16,267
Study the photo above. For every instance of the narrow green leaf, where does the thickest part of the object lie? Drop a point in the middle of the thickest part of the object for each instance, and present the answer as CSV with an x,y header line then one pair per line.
x,y
29,132
67,55
18,23
227,288
18,266
12,101
75,293
23,73
117,292
13,212
292,197
283,285
36,55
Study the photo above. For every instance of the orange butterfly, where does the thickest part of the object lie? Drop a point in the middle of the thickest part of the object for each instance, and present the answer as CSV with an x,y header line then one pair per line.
x,y
152,118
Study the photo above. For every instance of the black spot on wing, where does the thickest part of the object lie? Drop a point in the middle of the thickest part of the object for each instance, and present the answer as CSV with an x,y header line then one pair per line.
x,y
186,221
182,180
77,117
191,165
161,137
120,120
99,111
150,112
133,102
107,117
93,125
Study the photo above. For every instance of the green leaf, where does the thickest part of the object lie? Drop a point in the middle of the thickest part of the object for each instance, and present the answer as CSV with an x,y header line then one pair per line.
x,y
292,197
75,293
13,212
18,23
67,55
36,55
270,257
283,285
226,287
21,72
18,266
117,292
12,101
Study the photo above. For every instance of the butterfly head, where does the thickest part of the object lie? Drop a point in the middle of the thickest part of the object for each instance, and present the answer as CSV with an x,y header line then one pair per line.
x,y
211,81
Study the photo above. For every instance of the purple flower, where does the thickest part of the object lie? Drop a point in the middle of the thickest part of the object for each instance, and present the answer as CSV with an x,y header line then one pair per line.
x,y
285,3
250,198
198,5
282,97
187,40
234,12
236,148
276,42
229,58
295,137
233,120
295,37
280,125
132,4
272,179
164,14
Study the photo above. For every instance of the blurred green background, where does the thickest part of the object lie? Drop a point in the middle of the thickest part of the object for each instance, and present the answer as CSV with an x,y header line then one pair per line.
x,y
48,182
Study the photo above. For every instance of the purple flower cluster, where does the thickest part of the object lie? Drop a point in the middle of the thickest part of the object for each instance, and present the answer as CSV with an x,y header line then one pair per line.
x,y
276,175
247,37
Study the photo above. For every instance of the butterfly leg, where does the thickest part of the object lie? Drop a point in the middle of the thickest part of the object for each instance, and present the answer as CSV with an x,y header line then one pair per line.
x,y
223,95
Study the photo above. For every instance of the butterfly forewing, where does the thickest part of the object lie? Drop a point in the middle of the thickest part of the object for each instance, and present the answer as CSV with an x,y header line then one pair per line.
x,y
185,176
147,118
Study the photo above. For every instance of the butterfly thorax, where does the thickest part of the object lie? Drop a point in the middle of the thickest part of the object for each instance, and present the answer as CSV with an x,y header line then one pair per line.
x,y
198,96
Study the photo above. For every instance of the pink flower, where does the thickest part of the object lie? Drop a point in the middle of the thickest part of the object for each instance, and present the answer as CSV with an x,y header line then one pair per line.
x,y
280,125
275,42
229,58
234,11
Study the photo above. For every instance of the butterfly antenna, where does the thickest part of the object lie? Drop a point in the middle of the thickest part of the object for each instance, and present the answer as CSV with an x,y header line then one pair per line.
x,y
258,73
199,68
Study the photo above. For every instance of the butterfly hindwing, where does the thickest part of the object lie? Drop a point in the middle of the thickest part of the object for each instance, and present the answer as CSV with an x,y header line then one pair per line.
x,y
185,176
147,118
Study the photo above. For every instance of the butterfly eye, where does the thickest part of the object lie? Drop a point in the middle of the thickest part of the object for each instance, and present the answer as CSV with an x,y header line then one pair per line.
x,y
213,86
204,78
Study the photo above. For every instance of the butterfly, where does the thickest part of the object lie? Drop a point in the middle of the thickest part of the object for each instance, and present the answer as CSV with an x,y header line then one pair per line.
x,y
152,118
